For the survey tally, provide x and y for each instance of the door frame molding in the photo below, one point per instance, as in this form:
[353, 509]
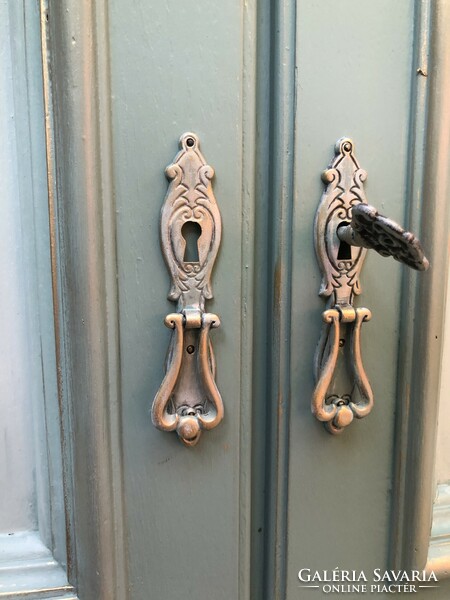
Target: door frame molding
[75, 53]
[82, 222]
[421, 342]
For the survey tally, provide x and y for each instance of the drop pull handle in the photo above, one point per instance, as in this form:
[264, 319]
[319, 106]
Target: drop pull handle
[188, 400]
[345, 227]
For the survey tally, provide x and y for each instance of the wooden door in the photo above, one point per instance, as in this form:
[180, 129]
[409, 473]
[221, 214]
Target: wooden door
[268, 87]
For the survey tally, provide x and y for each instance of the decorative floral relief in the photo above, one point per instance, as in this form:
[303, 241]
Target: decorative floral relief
[388, 238]
[344, 179]
[340, 263]
[190, 199]
[188, 400]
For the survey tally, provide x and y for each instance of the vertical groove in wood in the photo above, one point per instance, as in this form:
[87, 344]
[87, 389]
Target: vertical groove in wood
[248, 309]
[261, 331]
[417, 135]
[66, 447]
[77, 92]
[103, 78]
[281, 161]
[425, 303]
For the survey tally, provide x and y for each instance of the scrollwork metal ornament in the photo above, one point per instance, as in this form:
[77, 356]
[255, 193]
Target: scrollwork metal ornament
[369, 229]
[341, 266]
[188, 400]
[345, 226]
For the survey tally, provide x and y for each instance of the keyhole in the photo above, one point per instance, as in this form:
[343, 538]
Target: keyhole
[191, 231]
[345, 250]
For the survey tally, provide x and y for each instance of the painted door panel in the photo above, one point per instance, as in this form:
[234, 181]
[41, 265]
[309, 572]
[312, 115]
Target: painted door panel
[338, 74]
[268, 87]
[182, 508]
[348, 497]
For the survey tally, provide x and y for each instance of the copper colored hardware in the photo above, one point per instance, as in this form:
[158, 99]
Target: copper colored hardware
[188, 400]
[345, 226]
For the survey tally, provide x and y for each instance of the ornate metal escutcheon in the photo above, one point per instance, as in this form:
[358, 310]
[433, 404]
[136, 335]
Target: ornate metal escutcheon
[188, 400]
[345, 225]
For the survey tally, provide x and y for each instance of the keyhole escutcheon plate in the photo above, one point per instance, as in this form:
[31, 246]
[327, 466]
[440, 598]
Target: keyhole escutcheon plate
[190, 202]
[188, 400]
[335, 402]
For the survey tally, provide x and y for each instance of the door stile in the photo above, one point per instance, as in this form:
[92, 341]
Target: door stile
[83, 242]
[280, 198]
[423, 322]
[250, 401]
[416, 167]
[262, 408]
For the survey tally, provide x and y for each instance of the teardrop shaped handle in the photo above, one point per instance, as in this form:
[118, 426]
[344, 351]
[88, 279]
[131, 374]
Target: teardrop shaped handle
[338, 411]
[345, 226]
[188, 400]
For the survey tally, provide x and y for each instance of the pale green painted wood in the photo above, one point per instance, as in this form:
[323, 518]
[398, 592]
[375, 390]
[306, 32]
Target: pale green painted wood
[29, 379]
[33, 539]
[18, 509]
[324, 70]
[179, 67]
[354, 78]
[339, 502]
[33, 201]
[423, 363]
[81, 205]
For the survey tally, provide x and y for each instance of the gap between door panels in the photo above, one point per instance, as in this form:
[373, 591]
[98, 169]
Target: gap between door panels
[274, 183]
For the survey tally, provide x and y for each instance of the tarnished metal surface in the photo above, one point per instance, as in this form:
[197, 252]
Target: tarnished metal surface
[345, 226]
[369, 229]
[341, 264]
[188, 400]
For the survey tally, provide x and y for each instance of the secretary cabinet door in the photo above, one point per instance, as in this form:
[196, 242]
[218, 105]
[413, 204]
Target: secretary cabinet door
[357, 496]
[177, 68]
[260, 92]
[157, 518]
